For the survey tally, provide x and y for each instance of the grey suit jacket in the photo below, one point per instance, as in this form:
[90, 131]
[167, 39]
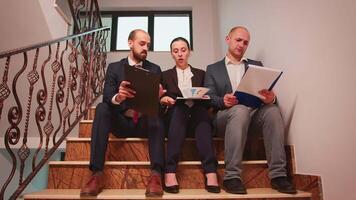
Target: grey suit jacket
[217, 80]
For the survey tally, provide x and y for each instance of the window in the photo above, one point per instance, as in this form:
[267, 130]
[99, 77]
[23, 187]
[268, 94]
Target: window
[163, 27]
[124, 26]
[166, 28]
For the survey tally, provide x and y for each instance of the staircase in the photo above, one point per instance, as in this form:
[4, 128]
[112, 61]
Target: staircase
[127, 169]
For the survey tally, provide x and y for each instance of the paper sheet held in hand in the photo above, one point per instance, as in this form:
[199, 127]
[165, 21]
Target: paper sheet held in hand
[258, 78]
[194, 93]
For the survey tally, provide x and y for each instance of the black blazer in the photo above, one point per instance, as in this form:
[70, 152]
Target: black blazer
[170, 81]
[115, 75]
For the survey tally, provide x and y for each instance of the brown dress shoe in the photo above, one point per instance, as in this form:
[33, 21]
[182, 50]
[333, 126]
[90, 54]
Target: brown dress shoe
[154, 186]
[94, 186]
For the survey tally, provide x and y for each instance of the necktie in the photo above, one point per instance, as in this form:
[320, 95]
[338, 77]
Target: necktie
[135, 117]
[135, 113]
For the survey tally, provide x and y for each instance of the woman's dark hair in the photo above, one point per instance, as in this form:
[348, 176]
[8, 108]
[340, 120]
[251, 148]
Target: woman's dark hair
[180, 39]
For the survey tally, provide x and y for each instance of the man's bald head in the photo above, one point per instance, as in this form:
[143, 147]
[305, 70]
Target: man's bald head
[237, 40]
[133, 33]
[239, 28]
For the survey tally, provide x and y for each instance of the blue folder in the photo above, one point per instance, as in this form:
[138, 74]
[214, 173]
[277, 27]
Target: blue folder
[250, 100]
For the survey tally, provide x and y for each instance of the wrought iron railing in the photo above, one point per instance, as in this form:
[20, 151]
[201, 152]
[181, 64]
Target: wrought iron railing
[46, 89]
[86, 15]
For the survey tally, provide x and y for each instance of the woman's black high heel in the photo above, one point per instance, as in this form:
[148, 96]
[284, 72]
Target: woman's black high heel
[171, 189]
[211, 188]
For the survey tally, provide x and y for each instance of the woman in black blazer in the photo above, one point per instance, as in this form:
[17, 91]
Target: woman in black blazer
[186, 117]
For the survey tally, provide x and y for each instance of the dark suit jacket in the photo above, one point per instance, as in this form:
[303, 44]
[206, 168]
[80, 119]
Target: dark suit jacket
[218, 81]
[115, 75]
[170, 81]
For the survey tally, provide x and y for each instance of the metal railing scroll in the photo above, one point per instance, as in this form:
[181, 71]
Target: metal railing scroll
[45, 90]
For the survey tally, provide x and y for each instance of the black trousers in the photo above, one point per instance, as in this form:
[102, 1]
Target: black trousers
[192, 120]
[109, 120]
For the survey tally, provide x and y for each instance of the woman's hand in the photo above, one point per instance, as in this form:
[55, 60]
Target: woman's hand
[167, 101]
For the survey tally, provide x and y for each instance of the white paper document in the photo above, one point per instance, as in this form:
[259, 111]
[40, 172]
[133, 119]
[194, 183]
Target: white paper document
[258, 78]
[194, 93]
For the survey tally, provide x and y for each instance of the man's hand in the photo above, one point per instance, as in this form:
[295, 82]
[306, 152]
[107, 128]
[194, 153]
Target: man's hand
[124, 92]
[230, 100]
[161, 91]
[167, 101]
[269, 96]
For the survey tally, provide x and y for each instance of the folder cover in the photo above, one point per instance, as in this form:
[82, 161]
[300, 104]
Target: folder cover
[255, 79]
[248, 99]
[146, 85]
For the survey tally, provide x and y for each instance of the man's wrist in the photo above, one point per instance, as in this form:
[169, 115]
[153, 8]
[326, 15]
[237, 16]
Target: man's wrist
[116, 100]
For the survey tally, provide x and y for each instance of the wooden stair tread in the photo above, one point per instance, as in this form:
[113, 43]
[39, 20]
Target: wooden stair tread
[129, 139]
[183, 194]
[52, 163]
[134, 174]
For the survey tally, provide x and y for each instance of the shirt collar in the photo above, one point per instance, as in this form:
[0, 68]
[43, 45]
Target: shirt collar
[186, 69]
[228, 60]
[132, 63]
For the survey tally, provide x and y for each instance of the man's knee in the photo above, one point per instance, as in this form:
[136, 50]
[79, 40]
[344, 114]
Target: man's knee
[272, 112]
[103, 109]
[239, 113]
[155, 122]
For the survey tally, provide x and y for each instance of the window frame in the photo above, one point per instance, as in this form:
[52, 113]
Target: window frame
[150, 14]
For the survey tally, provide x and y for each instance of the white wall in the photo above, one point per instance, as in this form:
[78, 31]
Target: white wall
[204, 28]
[22, 23]
[313, 42]
[25, 23]
[55, 22]
[28, 22]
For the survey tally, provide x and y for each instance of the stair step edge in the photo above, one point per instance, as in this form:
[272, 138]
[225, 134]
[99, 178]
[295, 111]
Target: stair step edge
[249, 162]
[183, 194]
[129, 139]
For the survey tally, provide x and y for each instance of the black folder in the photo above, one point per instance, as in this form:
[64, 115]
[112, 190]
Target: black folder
[146, 85]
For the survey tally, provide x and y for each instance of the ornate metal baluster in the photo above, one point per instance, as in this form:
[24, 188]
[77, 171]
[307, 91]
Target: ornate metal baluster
[97, 71]
[93, 65]
[61, 82]
[48, 128]
[65, 111]
[103, 64]
[24, 151]
[41, 111]
[76, 8]
[73, 86]
[73, 65]
[89, 66]
[13, 133]
[84, 72]
[4, 89]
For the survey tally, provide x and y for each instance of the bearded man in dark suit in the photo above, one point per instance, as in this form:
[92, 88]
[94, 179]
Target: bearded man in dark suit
[115, 116]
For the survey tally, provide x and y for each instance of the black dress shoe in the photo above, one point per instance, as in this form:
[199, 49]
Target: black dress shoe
[234, 186]
[171, 189]
[282, 184]
[211, 188]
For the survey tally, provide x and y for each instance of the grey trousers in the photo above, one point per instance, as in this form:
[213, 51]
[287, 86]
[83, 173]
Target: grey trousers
[234, 124]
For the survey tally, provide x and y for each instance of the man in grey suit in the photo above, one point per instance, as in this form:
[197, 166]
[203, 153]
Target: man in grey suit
[233, 119]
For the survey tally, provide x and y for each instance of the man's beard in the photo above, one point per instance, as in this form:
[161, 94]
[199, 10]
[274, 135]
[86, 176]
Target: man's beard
[139, 56]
